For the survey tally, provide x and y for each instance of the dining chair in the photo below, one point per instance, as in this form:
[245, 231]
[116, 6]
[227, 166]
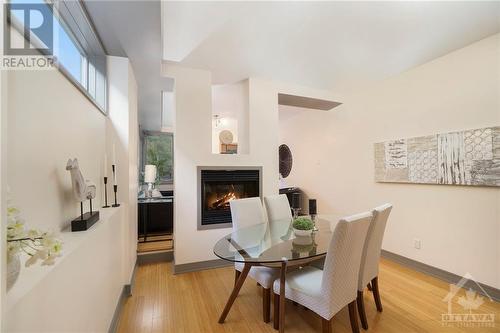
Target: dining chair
[368, 273]
[246, 213]
[278, 207]
[329, 290]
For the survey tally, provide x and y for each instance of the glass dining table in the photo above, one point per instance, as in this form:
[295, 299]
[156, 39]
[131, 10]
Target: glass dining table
[273, 244]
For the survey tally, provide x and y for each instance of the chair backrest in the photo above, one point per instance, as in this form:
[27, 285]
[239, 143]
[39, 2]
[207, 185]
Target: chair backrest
[373, 246]
[278, 207]
[340, 273]
[246, 212]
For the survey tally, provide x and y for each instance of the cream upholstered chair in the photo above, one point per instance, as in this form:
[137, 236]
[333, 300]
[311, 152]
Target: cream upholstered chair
[327, 291]
[278, 207]
[370, 260]
[245, 213]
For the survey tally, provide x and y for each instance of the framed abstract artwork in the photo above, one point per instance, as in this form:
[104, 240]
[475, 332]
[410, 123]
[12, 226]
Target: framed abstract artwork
[470, 157]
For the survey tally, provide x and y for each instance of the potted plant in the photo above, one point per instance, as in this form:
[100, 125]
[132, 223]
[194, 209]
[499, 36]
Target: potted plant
[303, 226]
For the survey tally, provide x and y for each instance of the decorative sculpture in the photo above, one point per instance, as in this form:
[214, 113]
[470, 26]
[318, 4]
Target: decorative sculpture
[83, 189]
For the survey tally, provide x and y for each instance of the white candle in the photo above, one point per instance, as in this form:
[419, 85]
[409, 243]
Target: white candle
[105, 165]
[114, 154]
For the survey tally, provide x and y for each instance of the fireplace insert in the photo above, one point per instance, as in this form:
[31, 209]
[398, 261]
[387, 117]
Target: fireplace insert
[219, 187]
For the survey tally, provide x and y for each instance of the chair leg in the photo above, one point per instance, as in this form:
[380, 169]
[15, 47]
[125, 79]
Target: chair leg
[376, 294]
[361, 310]
[276, 311]
[353, 316]
[326, 325]
[266, 304]
[236, 275]
[369, 286]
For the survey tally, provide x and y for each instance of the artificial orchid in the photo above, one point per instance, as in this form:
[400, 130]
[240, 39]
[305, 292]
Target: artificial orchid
[36, 244]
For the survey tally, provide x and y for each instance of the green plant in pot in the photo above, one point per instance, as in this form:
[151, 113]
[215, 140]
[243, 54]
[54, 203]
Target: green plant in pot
[302, 226]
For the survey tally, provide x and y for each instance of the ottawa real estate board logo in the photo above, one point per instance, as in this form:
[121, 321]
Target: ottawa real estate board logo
[28, 36]
[471, 314]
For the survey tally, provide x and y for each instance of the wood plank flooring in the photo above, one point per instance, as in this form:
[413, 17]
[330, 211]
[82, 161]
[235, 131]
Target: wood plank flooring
[192, 303]
[156, 243]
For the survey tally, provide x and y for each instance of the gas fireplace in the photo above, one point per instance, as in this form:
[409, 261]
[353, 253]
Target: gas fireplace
[218, 188]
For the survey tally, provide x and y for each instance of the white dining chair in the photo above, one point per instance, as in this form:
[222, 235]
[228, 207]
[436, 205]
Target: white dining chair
[368, 273]
[246, 213]
[278, 207]
[329, 290]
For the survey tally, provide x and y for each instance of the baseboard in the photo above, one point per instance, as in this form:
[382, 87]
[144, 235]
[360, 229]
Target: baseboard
[129, 288]
[126, 292]
[481, 288]
[201, 265]
[154, 257]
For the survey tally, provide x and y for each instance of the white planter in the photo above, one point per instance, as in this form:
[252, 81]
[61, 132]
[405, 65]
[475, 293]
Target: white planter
[298, 232]
[13, 269]
[302, 240]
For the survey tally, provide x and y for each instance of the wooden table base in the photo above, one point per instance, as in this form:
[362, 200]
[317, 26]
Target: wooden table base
[239, 283]
[235, 292]
[282, 297]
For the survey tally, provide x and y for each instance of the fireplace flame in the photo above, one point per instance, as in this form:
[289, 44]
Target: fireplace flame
[223, 202]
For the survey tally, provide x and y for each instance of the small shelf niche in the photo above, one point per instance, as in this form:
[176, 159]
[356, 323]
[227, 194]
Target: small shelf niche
[230, 118]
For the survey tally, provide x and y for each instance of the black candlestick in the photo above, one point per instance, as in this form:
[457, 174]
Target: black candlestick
[312, 207]
[313, 212]
[295, 200]
[105, 193]
[115, 189]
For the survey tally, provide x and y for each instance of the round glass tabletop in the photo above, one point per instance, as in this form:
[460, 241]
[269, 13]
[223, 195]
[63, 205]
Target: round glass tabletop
[274, 242]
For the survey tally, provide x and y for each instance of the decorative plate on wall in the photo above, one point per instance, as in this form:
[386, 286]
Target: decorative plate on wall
[285, 157]
[226, 137]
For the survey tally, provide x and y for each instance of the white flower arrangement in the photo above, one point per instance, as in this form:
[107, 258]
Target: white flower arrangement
[36, 244]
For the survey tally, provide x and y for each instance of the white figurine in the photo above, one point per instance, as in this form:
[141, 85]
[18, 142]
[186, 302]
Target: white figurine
[83, 189]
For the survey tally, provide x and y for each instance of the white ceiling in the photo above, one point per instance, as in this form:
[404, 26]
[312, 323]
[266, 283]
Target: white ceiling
[133, 29]
[331, 45]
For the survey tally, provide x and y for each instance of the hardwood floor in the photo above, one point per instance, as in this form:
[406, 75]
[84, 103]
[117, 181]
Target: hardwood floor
[193, 302]
[159, 243]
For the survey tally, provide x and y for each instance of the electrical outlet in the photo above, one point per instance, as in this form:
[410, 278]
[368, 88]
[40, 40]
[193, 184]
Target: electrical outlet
[417, 243]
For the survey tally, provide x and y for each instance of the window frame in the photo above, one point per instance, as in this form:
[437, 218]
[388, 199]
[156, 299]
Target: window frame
[33, 38]
[145, 134]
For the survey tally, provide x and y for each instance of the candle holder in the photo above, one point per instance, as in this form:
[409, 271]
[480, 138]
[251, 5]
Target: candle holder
[296, 204]
[313, 212]
[115, 189]
[313, 218]
[295, 212]
[105, 193]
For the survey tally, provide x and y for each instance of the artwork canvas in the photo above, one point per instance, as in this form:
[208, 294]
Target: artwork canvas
[469, 157]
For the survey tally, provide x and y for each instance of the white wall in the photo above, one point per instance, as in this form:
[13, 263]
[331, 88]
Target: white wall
[167, 111]
[333, 158]
[193, 148]
[123, 132]
[50, 120]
